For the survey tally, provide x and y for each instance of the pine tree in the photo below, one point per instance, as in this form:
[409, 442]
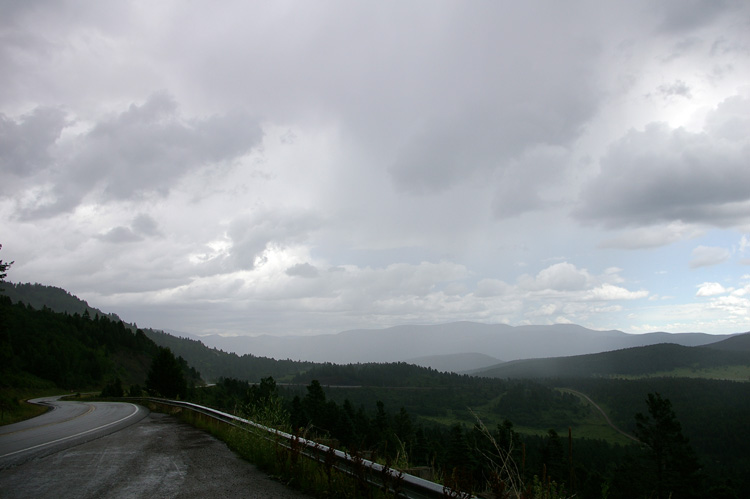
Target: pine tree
[165, 376]
[4, 266]
[674, 466]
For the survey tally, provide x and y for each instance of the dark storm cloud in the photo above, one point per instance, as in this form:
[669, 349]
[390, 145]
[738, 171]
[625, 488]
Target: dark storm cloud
[679, 88]
[684, 15]
[146, 225]
[120, 235]
[142, 227]
[511, 91]
[662, 174]
[141, 151]
[148, 147]
[26, 143]
[530, 182]
[432, 91]
[302, 270]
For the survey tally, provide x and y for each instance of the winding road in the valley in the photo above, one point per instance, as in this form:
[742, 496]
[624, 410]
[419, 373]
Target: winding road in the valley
[112, 449]
[606, 418]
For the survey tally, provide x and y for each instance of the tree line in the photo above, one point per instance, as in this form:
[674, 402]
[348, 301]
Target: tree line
[469, 457]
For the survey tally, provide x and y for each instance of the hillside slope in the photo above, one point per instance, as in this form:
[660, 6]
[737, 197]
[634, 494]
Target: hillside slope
[72, 351]
[638, 361]
[56, 299]
[214, 364]
[53, 336]
[737, 343]
[211, 363]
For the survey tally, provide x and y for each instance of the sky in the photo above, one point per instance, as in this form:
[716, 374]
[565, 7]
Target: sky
[296, 168]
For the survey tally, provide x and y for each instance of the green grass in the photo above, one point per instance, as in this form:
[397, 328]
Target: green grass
[590, 425]
[14, 405]
[595, 426]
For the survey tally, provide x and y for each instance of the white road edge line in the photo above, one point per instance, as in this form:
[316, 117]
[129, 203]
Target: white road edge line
[76, 435]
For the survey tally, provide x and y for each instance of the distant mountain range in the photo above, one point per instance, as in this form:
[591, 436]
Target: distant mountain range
[457, 346]
[453, 345]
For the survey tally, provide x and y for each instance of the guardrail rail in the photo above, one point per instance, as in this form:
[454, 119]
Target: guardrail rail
[397, 482]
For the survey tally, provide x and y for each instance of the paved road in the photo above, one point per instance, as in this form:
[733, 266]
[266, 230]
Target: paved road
[156, 456]
[66, 424]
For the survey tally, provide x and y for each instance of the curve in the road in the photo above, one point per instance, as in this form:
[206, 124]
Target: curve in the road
[67, 424]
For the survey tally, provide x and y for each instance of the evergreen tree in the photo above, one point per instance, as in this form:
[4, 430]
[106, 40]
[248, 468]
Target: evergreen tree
[165, 377]
[459, 461]
[113, 389]
[674, 470]
[297, 415]
[314, 401]
[403, 427]
[4, 266]
[6, 350]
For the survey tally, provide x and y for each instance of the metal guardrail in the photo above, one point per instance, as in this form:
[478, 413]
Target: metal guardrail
[399, 483]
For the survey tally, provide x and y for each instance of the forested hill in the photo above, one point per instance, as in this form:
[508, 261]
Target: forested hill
[214, 364]
[73, 352]
[661, 359]
[56, 299]
[392, 374]
[210, 362]
[738, 343]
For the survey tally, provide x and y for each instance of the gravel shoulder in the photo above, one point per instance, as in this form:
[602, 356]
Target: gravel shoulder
[158, 457]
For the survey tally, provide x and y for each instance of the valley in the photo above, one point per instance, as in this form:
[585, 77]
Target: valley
[398, 408]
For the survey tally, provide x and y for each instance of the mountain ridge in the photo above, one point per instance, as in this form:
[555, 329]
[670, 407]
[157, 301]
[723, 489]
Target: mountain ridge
[405, 342]
[634, 361]
[438, 346]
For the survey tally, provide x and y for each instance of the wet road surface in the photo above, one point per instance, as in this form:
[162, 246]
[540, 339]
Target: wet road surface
[66, 423]
[158, 456]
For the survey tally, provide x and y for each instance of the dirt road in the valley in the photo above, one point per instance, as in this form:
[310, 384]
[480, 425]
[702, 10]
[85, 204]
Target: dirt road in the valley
[606, 418]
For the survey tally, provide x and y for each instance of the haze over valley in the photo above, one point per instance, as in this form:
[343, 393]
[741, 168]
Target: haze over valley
[404, 343]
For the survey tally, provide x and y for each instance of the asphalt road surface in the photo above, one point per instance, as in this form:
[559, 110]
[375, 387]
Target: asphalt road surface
[112, 450]
[66, 424]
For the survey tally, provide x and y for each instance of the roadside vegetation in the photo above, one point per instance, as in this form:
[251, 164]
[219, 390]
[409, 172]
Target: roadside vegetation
[502, 436]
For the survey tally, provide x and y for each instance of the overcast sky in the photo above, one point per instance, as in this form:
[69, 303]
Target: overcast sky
[310, 167]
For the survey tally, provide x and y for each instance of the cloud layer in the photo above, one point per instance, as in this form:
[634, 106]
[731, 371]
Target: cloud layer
[303, 168]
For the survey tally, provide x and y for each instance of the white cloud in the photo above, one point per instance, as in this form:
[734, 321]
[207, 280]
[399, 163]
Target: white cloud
[562, 276]
[711, 289]
[705, 256]
[493, 287]
[611, 292]
[744, 243]
[734, 305]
